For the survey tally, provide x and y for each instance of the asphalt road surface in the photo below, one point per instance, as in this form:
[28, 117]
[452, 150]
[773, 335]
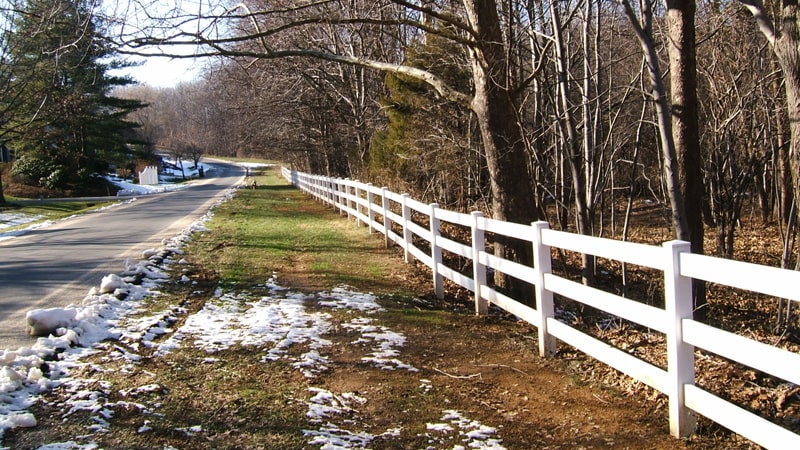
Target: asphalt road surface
[57, 265]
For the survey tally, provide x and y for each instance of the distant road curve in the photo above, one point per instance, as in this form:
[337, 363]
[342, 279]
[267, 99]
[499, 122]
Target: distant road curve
[58, 264]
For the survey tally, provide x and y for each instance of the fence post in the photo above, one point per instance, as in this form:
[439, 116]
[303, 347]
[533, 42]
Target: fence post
[350, 194]
[478, 269]
[542, 264]
[387, 224]
[331, 192]
[340, 195]
[680, 355]
[335, 193]
[348, 202]
[356, 205]
[406, 231]
[436, 252]
[370, 209]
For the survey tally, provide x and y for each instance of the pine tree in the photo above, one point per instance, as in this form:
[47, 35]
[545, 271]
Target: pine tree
[67, 125]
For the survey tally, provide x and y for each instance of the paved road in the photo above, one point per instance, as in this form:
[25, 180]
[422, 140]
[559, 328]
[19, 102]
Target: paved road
[57, 265]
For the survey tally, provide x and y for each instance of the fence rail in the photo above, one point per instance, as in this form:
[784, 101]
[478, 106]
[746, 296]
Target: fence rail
[366, 203]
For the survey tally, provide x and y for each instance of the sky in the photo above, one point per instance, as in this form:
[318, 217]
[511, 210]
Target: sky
[272, 324]
[158, 71]
[165, 72]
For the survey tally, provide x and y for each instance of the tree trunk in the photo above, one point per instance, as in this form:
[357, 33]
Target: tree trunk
[784, 173]
[785, 45]
[2, 196]
[644, 33]
[506, 158]
[683, 81]
[568, 132]
[788, 54]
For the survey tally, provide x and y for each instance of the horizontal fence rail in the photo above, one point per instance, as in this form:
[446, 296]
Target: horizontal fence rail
[404, 221]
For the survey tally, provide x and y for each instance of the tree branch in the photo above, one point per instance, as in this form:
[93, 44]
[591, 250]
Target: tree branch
[765, 25]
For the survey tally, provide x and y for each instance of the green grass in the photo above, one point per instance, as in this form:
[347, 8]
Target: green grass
[241, 400]
[275, 228]
[48, 211]
[475, 365]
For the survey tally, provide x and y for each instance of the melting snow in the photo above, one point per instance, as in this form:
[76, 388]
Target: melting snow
[273, 324]
[474, 434]
[8, 220]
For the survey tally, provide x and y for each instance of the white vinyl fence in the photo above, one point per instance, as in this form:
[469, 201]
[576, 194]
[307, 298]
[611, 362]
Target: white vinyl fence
[149, 175]
[365, 203]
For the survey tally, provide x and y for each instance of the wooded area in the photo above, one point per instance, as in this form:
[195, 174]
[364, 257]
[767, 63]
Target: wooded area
[58, 116]
[570, 111]
[618, 119]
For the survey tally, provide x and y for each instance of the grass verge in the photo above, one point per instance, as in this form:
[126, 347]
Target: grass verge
[476, 381]
[276, 229]
[40, 212]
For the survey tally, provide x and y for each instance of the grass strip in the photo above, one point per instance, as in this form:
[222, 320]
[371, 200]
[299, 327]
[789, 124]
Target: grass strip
[468, 371]
[276, 229]
[48, 210]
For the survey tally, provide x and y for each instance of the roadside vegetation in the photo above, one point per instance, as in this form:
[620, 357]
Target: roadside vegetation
[479, 372]
[41, 212]
[273, 230]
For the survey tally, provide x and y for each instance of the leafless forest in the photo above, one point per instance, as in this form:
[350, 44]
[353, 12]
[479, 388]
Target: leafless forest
[580, 112]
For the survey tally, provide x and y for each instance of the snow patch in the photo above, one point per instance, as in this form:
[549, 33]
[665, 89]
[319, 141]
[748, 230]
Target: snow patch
[472, 433]
[74, 332]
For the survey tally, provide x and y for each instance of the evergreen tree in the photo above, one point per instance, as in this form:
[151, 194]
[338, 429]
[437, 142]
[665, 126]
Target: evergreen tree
[66, 123]
[426, 148]
[7, 65]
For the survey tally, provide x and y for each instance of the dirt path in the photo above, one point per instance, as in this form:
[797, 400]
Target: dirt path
[454, 380]
[488, 369]
[457, 381]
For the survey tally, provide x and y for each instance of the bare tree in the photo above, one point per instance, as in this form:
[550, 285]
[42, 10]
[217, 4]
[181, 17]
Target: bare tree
[179, 153]
[643, 28]
[577, 160]
[478, 28]
[195, 152]
[740, 122]
[785, 43]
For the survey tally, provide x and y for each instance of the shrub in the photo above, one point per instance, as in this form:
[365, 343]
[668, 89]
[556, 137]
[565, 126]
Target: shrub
[32, 169]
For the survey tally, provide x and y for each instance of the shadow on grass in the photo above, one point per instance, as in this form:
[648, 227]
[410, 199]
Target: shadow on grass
[277, 187]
